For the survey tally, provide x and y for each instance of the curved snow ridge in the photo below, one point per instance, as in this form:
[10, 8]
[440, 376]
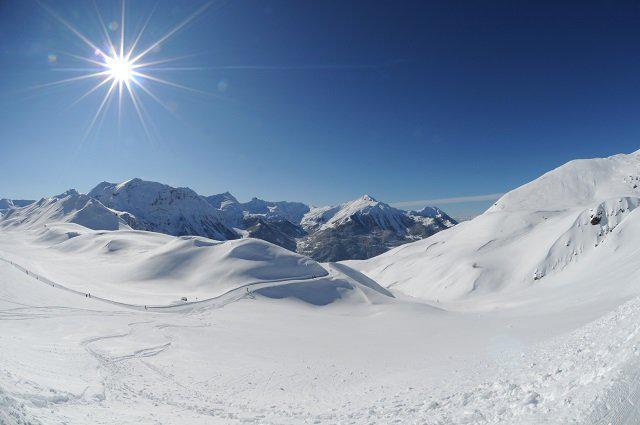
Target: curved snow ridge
[577, 183]
[337, 283]
[344, 284]
[587, 232]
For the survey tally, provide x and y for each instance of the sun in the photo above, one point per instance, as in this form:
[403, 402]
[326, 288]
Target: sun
[119, 68]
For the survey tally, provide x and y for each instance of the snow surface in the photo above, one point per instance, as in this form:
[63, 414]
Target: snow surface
[528, 314]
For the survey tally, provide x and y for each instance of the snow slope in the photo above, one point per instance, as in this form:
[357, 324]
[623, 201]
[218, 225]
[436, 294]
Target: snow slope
[268, 358]
[152, 268]
[552, 229]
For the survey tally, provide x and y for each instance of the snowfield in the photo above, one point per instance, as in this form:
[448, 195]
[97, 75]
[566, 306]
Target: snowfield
[527, 314]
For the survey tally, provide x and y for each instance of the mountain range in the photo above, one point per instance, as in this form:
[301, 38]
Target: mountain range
[359, 229]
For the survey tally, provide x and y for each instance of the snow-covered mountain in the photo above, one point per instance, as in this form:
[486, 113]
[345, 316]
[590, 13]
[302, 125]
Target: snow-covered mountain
[354, 230]
[358, 229]
[364, 228]
[291, 211]
[14, 203]
[165, 209]
[235, 212]
[275, 222]
[68, 207]
[558, 227]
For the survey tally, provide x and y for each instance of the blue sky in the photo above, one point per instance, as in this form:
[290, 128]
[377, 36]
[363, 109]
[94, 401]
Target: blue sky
[324, 101]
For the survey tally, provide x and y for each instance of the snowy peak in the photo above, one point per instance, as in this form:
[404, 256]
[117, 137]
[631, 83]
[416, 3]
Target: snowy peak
[163, 208]
[222, 200]
[381, 214]
[291, 211]
[577, 183]
[68, 207]
[363, 228]
[71, 194]
[430, 214]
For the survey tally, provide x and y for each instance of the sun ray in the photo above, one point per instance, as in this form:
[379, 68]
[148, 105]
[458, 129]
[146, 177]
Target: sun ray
[144, 27]
[138, 110]
[88, 93]
[70, 27]
[120, 83]
[122, 31]
[170, 83]
[153, 96]
[161, 61]
[100, 108]
[172, 32]
[82, 58]
[71, 80]
[103, 26]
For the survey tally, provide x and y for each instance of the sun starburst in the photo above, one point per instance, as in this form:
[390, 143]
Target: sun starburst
[119, 66]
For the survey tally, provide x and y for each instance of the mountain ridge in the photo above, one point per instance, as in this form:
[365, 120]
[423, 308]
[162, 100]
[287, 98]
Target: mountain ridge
[361, 228]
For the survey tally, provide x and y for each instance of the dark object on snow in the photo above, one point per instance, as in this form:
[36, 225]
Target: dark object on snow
[595, 219]
[184, 299]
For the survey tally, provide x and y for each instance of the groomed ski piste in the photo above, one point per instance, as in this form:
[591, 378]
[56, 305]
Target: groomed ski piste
[527, 314]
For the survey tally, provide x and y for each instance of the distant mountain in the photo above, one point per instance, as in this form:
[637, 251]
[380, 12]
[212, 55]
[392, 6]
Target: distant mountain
[234, 212]
[275, 222]
[291, 211]
[68, 207]
[358, 229]
[165, 209]
[433, 215]
[364, 228]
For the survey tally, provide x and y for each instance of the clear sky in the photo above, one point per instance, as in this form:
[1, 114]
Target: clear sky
[323, 101]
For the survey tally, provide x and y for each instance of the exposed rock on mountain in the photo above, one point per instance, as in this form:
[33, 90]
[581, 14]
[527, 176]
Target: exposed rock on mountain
[364, 228]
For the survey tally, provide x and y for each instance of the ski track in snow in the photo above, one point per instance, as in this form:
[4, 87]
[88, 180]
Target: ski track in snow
[217, 301]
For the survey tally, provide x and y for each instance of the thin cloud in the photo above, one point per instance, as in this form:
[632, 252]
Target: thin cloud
[457, 200]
